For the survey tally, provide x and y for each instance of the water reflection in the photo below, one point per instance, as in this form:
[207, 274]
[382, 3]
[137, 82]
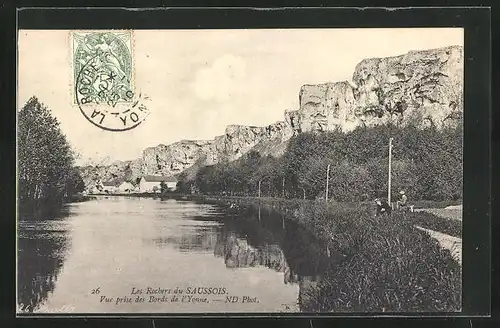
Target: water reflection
[258, 237]
[194, 239]
[234, 238]
[42, 248]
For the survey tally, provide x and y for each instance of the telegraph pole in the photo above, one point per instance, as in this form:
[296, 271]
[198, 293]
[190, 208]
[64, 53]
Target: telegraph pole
[327, 177]
[389, 182]
[283, 194]
[260, 181]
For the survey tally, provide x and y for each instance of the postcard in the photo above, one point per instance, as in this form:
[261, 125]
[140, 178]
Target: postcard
[240, 171]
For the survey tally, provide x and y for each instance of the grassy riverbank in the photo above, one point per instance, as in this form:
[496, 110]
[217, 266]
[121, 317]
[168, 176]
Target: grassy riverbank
[381, 264]
[297, 208]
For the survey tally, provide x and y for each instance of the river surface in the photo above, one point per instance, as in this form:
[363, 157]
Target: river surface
[114, 248]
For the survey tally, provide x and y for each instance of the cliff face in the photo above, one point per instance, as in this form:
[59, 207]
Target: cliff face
[119, 170]
[418, 88]
[327, 106]
[237, 140]
[173, 158]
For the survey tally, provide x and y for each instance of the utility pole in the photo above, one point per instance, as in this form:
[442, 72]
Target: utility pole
[283, 188]
[389, 182]
[264, 178]
[327, 177]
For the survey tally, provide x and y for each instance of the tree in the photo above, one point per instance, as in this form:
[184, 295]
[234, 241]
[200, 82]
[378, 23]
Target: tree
[312, 177]
[74, 183]
[45, 159]
[163, 187]
[184, 184]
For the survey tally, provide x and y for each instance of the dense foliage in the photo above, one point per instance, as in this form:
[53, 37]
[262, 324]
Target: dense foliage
[426, 163]
[47, 177]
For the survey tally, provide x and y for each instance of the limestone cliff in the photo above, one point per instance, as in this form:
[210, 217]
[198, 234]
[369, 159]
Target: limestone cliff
[419, 88]
[326, 106]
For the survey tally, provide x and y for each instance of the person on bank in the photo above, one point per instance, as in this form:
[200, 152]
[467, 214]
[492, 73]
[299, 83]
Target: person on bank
[403, 201]
[382, 207]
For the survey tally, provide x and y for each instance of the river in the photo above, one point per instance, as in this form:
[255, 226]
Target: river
[112, 249]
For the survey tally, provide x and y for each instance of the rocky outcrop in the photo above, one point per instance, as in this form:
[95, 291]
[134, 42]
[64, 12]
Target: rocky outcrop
[327, 106]
[177, 157]
[237, 140]
[117, 171]
[174, 158]
[419, 88]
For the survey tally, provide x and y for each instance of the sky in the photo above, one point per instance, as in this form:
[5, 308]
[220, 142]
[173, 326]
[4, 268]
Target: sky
[200, 81]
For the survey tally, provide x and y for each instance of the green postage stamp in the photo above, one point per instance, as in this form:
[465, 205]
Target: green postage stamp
[103, 71]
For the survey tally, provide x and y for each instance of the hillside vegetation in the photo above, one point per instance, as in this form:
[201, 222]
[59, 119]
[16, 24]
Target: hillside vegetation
[426, 163]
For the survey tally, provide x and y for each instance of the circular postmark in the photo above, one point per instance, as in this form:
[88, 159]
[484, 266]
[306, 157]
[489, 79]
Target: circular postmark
[103, 83]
